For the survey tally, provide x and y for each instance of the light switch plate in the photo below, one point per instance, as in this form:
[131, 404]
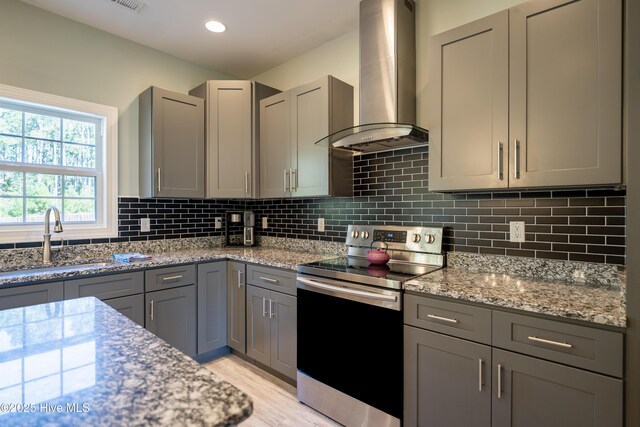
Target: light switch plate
[145, 225]
[516, 231]
[217, 222]
[321, 225]
[265, 222]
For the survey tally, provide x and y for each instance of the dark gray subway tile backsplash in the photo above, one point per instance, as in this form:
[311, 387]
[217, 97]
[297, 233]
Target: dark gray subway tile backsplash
[391, 188]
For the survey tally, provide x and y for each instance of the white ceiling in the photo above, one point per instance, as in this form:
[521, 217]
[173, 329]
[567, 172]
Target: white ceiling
[261, 34]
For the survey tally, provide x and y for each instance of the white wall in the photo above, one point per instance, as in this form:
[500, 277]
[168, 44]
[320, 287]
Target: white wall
[340, 57]
[48, 53]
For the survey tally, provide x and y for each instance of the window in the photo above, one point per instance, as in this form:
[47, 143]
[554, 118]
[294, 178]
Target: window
[56, 152]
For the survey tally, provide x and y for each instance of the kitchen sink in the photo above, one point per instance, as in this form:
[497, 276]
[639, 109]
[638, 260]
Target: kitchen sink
[54, 269]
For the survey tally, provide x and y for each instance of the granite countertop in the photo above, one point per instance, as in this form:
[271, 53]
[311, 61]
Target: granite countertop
[63, 365]
[280, 258]
[596, 304]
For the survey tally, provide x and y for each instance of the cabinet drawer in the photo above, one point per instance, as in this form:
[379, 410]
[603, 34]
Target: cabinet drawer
[458, 320]
[170, 277]
[589, 348]
[271, 278]
[105, 287]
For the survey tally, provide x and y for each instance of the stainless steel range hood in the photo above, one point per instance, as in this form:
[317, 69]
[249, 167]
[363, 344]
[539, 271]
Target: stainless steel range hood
[387, 81]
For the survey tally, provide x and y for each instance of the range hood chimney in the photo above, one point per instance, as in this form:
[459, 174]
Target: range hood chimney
[387, 81]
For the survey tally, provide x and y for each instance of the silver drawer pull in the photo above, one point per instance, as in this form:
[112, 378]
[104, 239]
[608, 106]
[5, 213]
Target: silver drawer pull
[556, 343]
[499, 381]
[151, 310]
[444, 319]
[480, 382]
[165, 279]
[266, 279]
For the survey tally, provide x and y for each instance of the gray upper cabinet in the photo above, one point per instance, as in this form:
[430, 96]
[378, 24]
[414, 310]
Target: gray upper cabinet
[469, 106]
[442, 375]
[291, 123]
[212, 306]
[566, 93]
[236, 306]
[535, 393]
[529, 97]
[171, 143]
[232, 136]
[171, 315]
[22, 296]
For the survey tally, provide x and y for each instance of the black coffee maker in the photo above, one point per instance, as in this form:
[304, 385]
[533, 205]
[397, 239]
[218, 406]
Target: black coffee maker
[239, 226]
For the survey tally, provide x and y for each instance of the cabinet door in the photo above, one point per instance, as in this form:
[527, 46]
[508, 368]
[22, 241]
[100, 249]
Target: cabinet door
[229, 138]
[275, 151]
[22, 296]
[283, 314]
[447, 381]
[309, 124]
[171, 315]
[258, 325]
[236, 306]
[469, 106]
[131, 306]
[212, 306]
[535, 393]
[565, 93]
[178, 144]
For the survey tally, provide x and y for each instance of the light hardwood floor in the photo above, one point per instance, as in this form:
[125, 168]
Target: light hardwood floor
[274, 401]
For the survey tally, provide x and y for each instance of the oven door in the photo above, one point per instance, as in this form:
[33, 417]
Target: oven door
[350, 339]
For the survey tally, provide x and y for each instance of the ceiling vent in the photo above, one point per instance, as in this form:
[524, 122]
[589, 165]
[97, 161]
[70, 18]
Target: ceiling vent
[131, 5]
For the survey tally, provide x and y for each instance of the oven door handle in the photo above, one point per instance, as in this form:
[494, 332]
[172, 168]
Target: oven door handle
[340, 290]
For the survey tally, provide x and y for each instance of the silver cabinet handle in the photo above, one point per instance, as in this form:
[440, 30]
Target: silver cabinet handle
[151, 309]
[480, 383]
[556, 343]
[266, 279]
[166, 279]
[246, 183]
[444, 319]
[158, 180]
[516, 160]
[499, 381]
[272, 309]
[264, 307]
[294, 186]
[291, 172]
[500, 160]
[286, 180]
[240, 283]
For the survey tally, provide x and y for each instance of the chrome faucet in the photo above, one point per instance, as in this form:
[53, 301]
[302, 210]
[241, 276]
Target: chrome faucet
[57, 228]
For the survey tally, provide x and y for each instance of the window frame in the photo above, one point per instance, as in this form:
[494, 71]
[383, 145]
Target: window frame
[106, 224]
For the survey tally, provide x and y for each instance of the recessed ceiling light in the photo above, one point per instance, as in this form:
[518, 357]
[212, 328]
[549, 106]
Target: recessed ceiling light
[215, 26]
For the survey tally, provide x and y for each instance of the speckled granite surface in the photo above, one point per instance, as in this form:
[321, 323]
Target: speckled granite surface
[573, 300]
[67, 353]
[280, 258]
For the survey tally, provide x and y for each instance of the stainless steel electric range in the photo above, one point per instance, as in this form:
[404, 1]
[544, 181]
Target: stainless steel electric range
[350, 324]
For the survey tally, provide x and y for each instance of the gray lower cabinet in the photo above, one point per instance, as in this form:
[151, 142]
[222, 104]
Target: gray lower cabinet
[236, 306]
[212, 306]
[535, 393]
[447, 381]
[271, 329]
[131, 306]
[171, 315]
[21, 296]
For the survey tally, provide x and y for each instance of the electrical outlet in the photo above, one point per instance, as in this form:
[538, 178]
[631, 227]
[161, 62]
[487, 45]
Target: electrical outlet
[321, 225]
[145, 225]
[217, 222]
[516, 231]
[265, 222]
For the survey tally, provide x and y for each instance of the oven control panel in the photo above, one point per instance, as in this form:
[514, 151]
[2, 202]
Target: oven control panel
[414, 239]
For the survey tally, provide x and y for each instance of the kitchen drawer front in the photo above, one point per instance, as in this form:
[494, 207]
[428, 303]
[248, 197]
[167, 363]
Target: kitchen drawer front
[580, 346]
[170, 277]
[271, 278]
[105, 287]
[458, 320]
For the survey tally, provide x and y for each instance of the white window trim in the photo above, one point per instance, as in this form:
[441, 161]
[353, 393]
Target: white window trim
[109, 226]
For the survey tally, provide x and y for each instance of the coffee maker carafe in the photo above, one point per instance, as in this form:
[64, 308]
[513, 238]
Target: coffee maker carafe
[249, 224]
[239, 227]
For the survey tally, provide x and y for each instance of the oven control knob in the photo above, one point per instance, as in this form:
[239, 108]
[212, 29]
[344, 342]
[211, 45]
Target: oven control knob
[365, 234]
[430, 238]
[415, 238]
[355, 234]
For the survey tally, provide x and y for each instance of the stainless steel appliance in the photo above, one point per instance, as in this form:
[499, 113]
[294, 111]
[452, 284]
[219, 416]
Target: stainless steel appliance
[350, 324]
[239, 227]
